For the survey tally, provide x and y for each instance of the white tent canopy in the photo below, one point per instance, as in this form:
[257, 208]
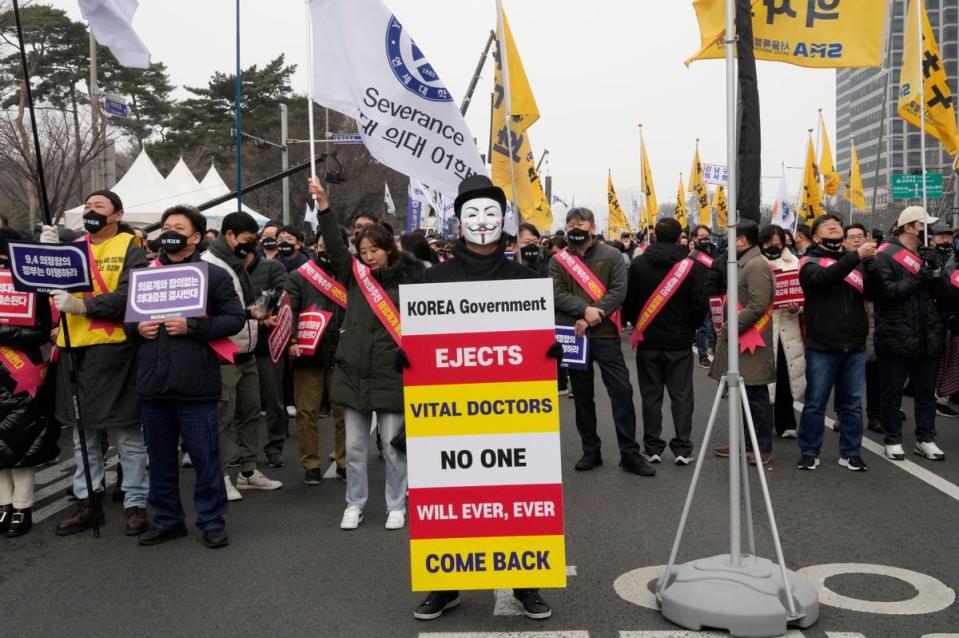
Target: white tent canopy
[146, 194]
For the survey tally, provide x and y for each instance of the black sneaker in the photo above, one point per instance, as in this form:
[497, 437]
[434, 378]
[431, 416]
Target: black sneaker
[636, 465]
[588, 462]
[807, 462]
[313, 476]
[215, 538]
[435, 604]
[854, 463]
[274, 459]
[157, 535]
[341, 473]
[946, 410]
[533, 604]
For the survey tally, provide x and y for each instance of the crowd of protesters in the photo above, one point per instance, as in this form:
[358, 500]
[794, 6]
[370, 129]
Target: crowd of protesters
[879, 319]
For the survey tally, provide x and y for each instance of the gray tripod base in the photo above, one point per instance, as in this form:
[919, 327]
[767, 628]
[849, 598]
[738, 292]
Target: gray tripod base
[740, 592]
[748, 599]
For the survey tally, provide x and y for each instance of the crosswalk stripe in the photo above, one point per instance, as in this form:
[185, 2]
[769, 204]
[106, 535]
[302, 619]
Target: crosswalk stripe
[504, 604]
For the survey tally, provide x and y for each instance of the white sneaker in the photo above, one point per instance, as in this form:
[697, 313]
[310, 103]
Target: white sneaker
[231, 492]
[352, 518]
[396, 519]
[895, 452]
[788, 434]
[291, 411]
[931, 451]
[685, 460]
[257, 482]
[186, 461]
[652, 458]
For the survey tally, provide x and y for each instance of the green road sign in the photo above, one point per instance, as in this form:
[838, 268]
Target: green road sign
[909, 186]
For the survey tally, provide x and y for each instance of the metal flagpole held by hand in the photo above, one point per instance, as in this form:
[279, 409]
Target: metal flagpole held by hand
[309, 81]
[920, 9]
[745, 594]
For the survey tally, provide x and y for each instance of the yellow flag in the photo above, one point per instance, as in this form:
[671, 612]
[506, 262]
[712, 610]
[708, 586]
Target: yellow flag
[811, 33]
[720, 206]
[680, 214]
[512, 153]
[522, 103]
[811, 201]
[853, 191]
[698, 187]
[650, 205]
[617, 222]
[940, 112]
[827, 168]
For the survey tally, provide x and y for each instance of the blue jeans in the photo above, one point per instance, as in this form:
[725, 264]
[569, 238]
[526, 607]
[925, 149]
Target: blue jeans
[846, 371]
[132, 457]
[705, 338]
[164, 424]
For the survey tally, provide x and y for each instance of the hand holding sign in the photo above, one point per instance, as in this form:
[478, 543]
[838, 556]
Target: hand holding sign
[149, 329]
[175, 327]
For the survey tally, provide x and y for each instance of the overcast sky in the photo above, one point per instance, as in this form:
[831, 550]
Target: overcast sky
[597, 70]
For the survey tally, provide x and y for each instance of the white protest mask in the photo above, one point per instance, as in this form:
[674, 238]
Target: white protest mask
[481, 220]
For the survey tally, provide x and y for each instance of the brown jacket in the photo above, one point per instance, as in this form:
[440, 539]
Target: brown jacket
[756, 291]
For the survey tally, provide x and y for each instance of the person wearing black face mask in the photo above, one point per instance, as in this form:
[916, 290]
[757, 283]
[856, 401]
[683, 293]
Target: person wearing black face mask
[313, 373]
[268, 240]
[837, 326]
[787, 338]
[178, 384]
[239, 407]
[289, 239]
[530, 255]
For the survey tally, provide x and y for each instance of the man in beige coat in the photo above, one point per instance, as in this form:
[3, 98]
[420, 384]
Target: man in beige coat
[757, 362]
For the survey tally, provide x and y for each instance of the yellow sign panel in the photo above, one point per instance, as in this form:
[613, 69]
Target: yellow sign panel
[488, 562]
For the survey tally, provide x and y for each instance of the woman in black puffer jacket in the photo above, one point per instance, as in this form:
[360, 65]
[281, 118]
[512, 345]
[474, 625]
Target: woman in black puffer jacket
[28, 432]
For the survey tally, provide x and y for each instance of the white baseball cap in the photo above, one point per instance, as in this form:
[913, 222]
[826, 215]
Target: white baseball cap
[915, 214]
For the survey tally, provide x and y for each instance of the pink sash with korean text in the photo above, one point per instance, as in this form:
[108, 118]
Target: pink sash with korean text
[583, 276]
[380, 303]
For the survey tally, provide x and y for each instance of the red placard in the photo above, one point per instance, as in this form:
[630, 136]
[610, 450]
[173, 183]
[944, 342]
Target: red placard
[280, 335]
[716, 311]
[16, 308]
[788, 290]
[310, 328]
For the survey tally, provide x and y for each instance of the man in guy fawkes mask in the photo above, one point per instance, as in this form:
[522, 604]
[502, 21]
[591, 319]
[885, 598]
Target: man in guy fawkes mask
[479, 256]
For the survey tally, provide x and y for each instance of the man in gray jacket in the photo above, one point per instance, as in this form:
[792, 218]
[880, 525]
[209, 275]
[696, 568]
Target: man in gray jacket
[757, 361]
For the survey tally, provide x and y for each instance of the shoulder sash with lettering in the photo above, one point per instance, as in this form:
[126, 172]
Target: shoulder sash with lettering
[854, 278]
[324, 283]
[954, 279]
[27, 375]
[664, 292]
[701, 257]
[753, 337]
[903, 257]
[589, 282]
[380, 303]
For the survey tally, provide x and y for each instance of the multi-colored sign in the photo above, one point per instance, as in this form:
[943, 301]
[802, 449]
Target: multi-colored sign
[165, 292]
[482, 436]
[788, 290]
[16, 308]
[48, 267]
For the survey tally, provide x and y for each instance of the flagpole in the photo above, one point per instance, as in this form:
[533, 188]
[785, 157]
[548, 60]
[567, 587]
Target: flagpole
[504, 60]
[642, 183]
[852, 147]
[309, 91]
[239, 117]
[802, 186]
[922, 117]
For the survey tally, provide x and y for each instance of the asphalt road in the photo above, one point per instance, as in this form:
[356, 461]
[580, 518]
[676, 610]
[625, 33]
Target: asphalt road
[290, 570]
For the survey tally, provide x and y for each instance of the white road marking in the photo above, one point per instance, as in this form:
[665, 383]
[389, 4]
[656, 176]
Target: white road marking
[633, 586]
[830, 423]
[110, 479]
[844, 634]
[330, 471]
[673, 633]
[506, 634]
[54, 471]
[932, 595]
[504, 604]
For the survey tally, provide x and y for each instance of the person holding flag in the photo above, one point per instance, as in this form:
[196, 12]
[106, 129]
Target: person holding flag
[367, 379]
[667, 300]
[105, 363]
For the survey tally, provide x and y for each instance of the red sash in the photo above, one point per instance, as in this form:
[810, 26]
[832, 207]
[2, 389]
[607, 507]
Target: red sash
[330, 287]
[702, 258]
[954, 279]
[378, 300]
[27, 375]
[99, 288]
[753, 337]
[903, 257]
[854, 278]
[664, 292]
[587, 280]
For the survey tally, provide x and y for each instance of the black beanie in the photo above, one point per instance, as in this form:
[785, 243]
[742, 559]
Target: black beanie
[113, 197]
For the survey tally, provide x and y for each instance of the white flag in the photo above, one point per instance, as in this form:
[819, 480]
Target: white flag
[419, 194]
[407, 118]
[309, 217]
[784, 215]
[388, 200]
[112, 24]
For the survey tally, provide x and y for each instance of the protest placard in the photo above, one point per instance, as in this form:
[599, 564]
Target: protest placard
[167, 292]
[788, 290]
[281, 333]
[575, 349]
[16, 308]
[48, 267]
[310, 327]
[482, 432]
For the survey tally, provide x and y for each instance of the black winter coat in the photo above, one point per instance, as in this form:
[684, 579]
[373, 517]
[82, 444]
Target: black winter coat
[674, 326]
[834, 311]
[908, 320]
[185, 369]
[303, 294]
[366, 378]
[267, 274]
[468, 266]
[28, 431]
